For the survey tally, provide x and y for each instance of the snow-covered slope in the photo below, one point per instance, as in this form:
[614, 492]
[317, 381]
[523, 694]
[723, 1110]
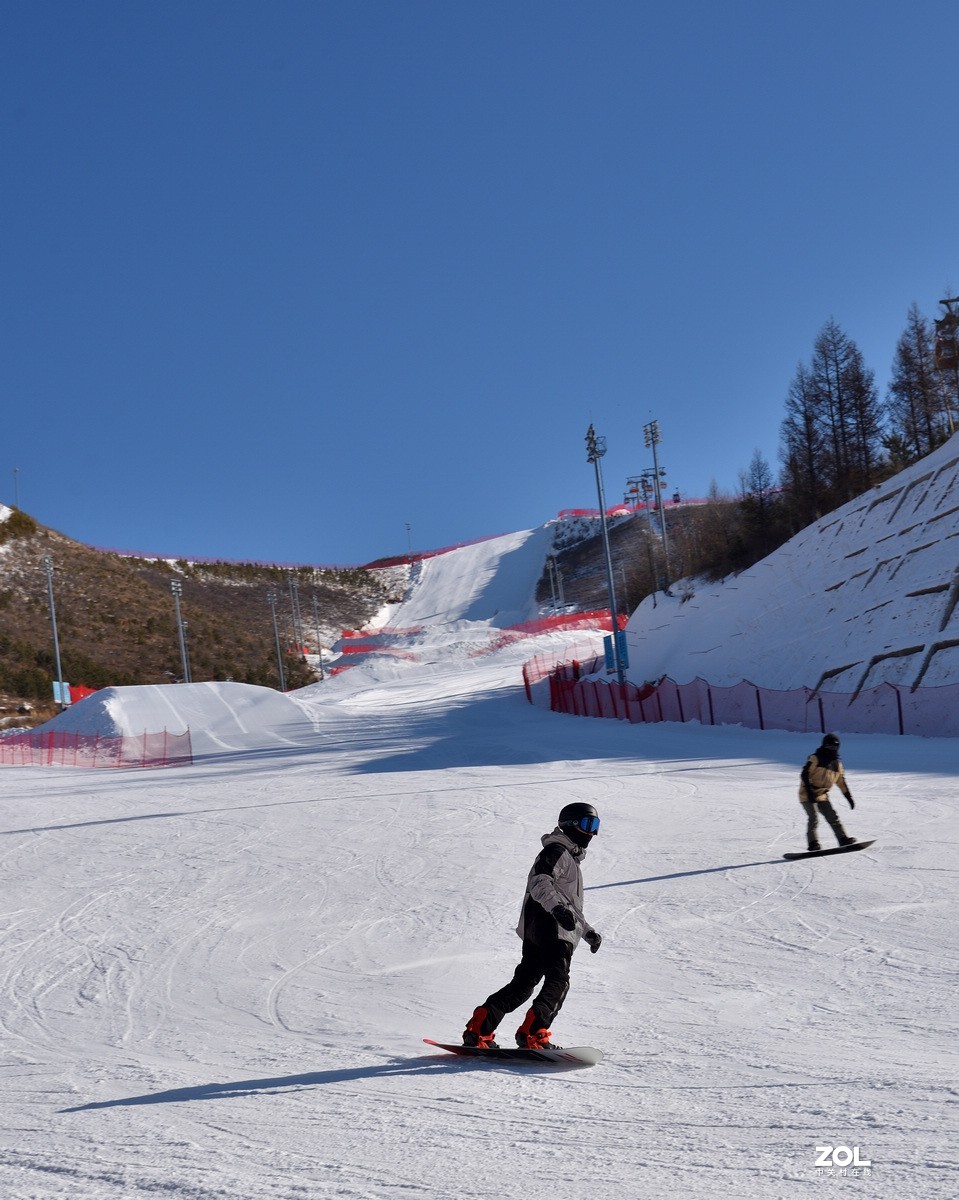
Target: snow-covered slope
[492, 582]
[214, 980]
[220, 716]
[865, 596]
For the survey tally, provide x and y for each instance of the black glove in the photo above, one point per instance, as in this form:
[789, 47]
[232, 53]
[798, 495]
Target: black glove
[564, 917]
[852, 803]
[593, 939]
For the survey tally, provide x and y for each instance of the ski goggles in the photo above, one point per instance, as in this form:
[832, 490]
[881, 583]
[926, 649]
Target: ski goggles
[587, 824]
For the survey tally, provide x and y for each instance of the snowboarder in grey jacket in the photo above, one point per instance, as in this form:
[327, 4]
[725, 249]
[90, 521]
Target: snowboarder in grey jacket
[551, 924]
[822, 771]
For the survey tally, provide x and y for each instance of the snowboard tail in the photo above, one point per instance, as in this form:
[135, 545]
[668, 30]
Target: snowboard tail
[571, 1056]
[831, 850]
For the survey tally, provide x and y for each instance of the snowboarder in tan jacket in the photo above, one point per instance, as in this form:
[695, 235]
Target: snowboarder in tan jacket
[551, 925]
[823, 771]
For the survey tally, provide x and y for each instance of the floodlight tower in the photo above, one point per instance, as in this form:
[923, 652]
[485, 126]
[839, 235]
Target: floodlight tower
[176, 587]
[595, 449]
[316, 622]
[653, 439]
[555, 583]
[48, 568]
[295, 608]
[271, 597]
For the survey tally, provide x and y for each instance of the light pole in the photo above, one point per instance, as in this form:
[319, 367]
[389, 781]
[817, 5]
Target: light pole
[16, 486]
[271, 597]
[48, 567]
[595, 449]
[297, 619]
[316, 622]
[555, 583]
[176, 587]
[653, 439]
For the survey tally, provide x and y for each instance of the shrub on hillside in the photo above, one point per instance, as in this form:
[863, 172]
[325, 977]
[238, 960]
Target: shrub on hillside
[17, 525]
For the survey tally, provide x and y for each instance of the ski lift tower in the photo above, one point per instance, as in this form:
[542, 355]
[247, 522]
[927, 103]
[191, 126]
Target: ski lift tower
[653, 439]
[947, 353]
[595, 449]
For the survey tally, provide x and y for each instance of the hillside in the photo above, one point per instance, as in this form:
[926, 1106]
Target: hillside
[865, 596]
[116, 617]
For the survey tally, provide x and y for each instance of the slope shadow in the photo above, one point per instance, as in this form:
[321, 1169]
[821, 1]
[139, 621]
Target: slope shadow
[482, 732]
[498, 594]
[577, 776]
[426, 1065]
[768, 862]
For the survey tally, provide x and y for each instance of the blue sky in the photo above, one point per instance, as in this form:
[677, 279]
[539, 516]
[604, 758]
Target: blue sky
[282, 278]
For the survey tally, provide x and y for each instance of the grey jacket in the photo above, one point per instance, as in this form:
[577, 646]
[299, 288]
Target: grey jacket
[555, 878]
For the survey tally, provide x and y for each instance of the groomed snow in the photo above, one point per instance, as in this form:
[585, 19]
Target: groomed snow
[216, 979]
[221, 717]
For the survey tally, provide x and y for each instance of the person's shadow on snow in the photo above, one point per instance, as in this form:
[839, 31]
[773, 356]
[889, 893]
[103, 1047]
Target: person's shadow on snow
[768, 862]
[432, 1064]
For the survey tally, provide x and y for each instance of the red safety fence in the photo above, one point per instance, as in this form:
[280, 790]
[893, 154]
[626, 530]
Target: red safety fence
[387, 631]
[149, 556]
[580, 659]
[53, 748]
[888, 708]
[371, 648]
[376, 564]
[619, 510]
[377, 642]
[418, 555]
[598, 619]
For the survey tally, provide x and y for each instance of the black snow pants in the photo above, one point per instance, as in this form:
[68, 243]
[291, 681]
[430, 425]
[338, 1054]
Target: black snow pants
[549, 964]
[813, 809]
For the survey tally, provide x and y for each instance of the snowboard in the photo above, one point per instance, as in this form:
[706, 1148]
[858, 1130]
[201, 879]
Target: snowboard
[831, 850]
[571, 1056]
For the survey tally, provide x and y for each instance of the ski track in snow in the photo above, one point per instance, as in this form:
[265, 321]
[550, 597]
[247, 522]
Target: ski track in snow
[216, 979]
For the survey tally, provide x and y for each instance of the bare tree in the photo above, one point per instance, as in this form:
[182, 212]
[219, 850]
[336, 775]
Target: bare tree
[831, 436]
[801, 450]
[915, 401]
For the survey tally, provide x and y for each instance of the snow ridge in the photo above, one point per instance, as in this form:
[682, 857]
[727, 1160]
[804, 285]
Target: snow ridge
[866, 596]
